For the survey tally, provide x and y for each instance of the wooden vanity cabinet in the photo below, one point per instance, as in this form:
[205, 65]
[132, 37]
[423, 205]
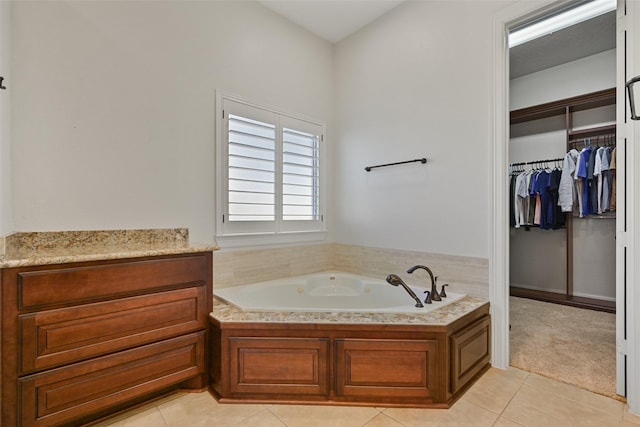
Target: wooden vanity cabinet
[82, 340]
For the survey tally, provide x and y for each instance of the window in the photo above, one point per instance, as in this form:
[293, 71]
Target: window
[269, 179]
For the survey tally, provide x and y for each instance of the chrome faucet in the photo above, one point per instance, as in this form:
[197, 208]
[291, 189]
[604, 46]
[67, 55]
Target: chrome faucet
[394, 280]
[434, 290]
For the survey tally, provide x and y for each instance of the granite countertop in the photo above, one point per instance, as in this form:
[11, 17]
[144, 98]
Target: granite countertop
[44, 248]
[443, 316]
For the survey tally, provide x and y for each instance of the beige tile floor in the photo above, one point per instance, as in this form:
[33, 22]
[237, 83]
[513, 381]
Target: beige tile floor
[500, 398]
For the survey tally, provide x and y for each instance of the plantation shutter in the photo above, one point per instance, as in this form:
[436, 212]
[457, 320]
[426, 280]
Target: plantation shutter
[272, 172]
[252, 169]
[300, 176]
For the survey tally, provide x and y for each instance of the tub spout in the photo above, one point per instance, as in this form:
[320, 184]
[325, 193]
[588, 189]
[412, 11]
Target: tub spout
[394, 280]
[434, 291]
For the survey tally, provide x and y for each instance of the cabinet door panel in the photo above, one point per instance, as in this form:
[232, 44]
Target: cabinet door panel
[61, 395]
[386, 368]
[470, 352]
[76, 285]
[279, 365]
[56, 337]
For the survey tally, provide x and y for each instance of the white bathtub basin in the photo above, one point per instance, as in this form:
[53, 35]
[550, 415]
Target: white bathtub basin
[329, 291]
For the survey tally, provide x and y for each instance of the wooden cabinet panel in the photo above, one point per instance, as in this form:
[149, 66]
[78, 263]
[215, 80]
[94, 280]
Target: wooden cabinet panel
[75, 285]
[60, 395]
[348, 364]
[470, 352]
[62, 336]
[81, 340]
[276, 365]
[389, 368]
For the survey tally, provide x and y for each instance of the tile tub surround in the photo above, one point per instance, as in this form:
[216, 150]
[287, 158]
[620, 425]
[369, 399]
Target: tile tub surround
[43, 248]
[241, 267]
[467, 275]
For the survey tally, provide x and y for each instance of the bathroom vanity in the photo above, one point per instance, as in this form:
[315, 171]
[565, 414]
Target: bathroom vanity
[89, 331]
[383, 359]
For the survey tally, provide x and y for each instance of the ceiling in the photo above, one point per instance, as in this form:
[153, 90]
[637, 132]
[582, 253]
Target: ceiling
[585, 39]
[333, 20]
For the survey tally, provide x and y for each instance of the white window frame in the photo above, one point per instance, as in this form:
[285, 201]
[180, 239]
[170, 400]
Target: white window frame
[238, 234]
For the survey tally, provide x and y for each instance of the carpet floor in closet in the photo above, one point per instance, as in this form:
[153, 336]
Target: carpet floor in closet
[568, 344]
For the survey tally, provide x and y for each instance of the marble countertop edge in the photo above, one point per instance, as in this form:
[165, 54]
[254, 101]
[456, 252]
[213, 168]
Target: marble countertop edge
[66, 255]
[446, 315]
[25, 249]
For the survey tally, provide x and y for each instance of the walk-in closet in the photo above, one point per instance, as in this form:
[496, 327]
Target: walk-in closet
[562, 185]
[563, 198]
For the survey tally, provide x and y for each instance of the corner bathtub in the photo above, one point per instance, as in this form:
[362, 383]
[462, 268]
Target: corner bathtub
[364, 343]
[329, 292]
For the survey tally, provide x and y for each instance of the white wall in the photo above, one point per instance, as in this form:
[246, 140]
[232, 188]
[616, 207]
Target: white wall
[578, 77]
[6, 223]
[114, 105]
[416, 83]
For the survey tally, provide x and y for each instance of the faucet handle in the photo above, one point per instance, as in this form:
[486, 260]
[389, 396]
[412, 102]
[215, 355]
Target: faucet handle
[443, 294]
[427, 300]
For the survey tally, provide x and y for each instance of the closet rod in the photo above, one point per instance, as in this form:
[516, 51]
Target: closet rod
[537, 161]
[607, 139]
[422, 160]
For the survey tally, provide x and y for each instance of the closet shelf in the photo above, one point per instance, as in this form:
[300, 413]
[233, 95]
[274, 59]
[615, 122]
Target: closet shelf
[557, 108]
[595, 131]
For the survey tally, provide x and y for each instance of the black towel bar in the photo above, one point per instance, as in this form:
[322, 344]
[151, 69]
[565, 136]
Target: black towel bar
[422, 160]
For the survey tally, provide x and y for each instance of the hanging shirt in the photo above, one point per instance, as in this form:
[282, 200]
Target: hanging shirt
[597, 174]
[612, 168]
[592, 196]
[581, 175]
[520, 194]
[545, 202]
[534, 193]
[557, 216]
[566, 188]
[607, 175]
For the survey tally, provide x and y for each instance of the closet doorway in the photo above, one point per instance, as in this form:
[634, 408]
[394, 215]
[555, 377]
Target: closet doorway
[562, 268]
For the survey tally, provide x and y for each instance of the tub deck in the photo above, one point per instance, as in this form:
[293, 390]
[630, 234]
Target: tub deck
[366, 359]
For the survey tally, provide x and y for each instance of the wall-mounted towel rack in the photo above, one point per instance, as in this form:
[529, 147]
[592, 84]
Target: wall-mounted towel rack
[422, 160]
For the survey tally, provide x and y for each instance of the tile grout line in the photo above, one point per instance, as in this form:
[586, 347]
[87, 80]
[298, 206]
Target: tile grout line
[511, 399]
[166, 423]
[580, 390]
[268, 408]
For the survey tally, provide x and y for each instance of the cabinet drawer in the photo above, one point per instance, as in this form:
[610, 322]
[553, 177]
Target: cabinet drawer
[470, 352]
[279, 365]
[362, 368]
[61, 336]
[76, 285]
[64, 394]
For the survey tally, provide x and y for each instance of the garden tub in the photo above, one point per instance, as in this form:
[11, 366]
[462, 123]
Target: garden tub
[329, 291]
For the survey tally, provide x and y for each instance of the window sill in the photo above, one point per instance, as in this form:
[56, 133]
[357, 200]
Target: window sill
[263, 239]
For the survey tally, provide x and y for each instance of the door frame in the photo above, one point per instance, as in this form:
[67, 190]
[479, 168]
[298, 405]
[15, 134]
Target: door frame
[627, 299]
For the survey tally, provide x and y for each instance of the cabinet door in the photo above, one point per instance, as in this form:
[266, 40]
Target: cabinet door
[291, 366]
[470, 352]
[68, 335]
[386, 368]
[62, 395]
